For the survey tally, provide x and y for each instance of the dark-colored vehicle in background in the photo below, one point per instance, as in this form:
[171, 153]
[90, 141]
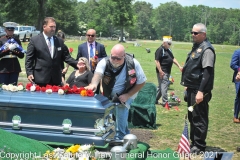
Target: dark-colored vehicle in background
[2, 32]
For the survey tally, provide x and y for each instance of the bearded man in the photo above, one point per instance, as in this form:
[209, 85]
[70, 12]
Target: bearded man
[122, 77]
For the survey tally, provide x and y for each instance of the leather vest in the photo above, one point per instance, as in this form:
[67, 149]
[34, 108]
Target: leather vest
[109, 80]
[192, 71]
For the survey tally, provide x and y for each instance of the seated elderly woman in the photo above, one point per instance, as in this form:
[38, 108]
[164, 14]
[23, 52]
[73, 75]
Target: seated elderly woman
[81, 77]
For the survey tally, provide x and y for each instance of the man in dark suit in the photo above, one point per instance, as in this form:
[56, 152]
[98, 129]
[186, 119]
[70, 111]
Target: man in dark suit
[45, 54]
[91, 50]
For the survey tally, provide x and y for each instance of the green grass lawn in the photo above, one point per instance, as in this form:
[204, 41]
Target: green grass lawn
[222, 134]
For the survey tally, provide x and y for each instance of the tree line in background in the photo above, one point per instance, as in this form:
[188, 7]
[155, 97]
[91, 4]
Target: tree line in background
[126, 18]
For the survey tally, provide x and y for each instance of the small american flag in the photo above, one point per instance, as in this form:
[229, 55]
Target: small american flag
[184, 146]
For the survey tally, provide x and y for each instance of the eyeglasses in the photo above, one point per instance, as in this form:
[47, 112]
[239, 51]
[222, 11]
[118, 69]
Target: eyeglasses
[195, 33]
[169, 44]
[116, 58]
[89, 35]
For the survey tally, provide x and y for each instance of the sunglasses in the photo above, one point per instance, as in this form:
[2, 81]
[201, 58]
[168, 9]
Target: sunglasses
[116, 58]
[169, 44]
[89, 35]
[195, 33]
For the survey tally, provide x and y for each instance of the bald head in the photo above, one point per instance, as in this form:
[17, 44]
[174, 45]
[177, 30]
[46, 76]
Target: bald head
[118, 50]
[91, 35]
[117, 55]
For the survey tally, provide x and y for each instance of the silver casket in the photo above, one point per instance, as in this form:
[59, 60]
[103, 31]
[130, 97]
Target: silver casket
[69, 118]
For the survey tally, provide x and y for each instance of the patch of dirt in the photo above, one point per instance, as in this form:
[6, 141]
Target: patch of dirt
[143, 135]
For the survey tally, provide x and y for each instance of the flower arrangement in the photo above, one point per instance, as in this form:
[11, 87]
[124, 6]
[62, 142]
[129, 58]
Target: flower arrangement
[12, 88]
[94, 61]
[173, 98]
[49, 89]
[79, 152]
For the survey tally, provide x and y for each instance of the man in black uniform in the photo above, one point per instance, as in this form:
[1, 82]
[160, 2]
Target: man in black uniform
[198, 77]
[10, 51]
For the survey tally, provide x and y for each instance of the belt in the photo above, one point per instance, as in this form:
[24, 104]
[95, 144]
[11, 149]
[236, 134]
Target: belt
[10, 56]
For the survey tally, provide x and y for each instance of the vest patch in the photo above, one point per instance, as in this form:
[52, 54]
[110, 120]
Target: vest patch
[131, 72]
[106, 79]
[199, 50]
[193, 54]
[133, 80]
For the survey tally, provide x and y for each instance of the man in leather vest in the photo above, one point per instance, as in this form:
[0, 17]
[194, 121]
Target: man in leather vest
[198, 77]
[122, 77]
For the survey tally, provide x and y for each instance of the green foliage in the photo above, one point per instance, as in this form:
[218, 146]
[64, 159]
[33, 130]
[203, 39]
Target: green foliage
[137, 18]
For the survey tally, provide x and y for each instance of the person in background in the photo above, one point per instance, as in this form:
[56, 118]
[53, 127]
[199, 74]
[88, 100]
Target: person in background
[92, 50]
[235, 65]
[11, 49]
[61, 34]
[164, 59]
[198, 77]
[122, 77]
[81, 77]
[45, 55]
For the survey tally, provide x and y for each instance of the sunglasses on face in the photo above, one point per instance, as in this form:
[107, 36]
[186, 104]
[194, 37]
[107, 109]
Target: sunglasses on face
[116, 58]
[89, 35]
[169, 44]
[195, 33]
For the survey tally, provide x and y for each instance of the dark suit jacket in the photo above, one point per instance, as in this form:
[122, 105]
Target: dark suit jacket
[83, 51]
[40, 64]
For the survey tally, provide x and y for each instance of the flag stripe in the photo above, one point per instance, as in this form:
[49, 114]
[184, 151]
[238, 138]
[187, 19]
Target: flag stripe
[184, 145]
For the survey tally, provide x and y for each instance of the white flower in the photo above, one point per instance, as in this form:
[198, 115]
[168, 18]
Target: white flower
[49, 91]
[14, 89]
[20, 87]
[4, 86]
[32, 88]
[84, 147]
[190, 108]
[9, 87]
[60, 91]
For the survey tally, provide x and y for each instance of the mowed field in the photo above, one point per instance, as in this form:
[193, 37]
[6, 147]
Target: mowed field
[223, 134]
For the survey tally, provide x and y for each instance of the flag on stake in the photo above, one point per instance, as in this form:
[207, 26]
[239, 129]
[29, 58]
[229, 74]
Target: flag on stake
[176, 108]
[167, 106]
[184, 145]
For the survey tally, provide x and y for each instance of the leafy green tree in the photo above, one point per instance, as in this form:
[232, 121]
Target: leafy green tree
[122, 15]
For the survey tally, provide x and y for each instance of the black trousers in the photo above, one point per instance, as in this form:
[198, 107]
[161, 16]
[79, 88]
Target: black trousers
[198, 118]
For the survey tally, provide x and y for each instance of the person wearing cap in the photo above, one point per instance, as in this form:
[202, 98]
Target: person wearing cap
[164, 59]
[198, 77]
[10, 51]
[45, 55]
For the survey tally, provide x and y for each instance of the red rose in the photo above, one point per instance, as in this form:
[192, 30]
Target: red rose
[20, 83]
[28, 85]
[95, 57]
[43, 89]
[172, 93]
[38, 88]
[70, 50]
[90, 93]
[55, 88]
[48, 86]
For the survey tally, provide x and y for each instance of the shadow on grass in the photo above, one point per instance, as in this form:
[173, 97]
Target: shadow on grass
[214, 149]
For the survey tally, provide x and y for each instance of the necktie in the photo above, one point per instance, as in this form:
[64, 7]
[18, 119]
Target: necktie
[49, 46]
[91, 50]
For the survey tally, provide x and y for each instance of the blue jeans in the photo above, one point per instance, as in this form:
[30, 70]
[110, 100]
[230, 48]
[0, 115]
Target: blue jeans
[121, 126]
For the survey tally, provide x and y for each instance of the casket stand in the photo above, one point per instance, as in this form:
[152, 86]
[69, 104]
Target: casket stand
[69, 118]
